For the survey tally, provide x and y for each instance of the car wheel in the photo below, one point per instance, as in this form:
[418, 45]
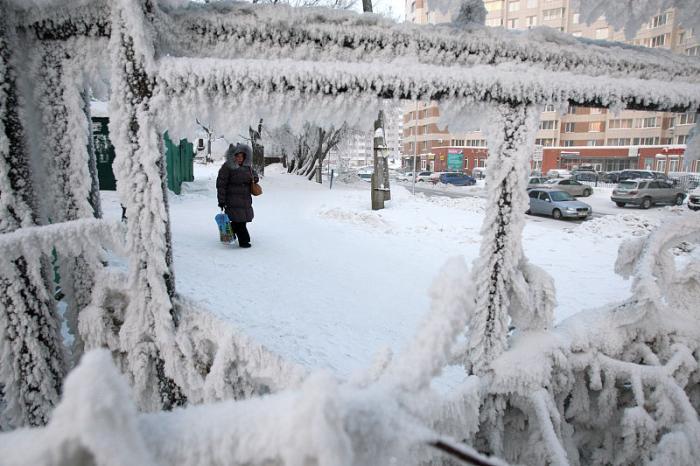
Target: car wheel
[679, 199]
[586, 192]
[528, 212]
[620, 204]
[556, 214]
[646, 203]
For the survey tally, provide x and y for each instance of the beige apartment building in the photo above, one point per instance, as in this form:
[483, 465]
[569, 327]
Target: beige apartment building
[578, 127]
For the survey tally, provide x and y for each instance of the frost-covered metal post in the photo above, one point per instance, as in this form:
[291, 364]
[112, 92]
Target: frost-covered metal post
[147, 334]
[31, 355]
[70, 188]
[507, 286]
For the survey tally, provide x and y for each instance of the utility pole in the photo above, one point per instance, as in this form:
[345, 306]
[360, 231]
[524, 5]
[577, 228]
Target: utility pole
[415, 146]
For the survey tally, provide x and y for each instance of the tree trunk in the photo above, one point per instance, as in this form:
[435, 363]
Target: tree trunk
[258, 149]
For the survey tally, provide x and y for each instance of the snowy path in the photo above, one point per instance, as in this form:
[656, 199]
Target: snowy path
[328, 282]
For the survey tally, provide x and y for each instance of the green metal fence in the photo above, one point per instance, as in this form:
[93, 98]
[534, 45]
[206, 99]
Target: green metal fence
[179, 158]
[180, 162]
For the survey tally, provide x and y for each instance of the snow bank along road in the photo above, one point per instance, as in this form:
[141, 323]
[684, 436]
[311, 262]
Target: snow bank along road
[329, 283]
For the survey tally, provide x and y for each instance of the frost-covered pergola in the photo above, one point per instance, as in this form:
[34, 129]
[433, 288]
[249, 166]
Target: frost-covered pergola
[616, 385]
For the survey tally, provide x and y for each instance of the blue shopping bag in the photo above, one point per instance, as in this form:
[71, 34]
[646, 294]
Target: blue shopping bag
[225, 232]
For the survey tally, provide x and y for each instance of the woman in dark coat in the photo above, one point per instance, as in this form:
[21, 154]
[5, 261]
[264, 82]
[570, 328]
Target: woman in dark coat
[233, 190]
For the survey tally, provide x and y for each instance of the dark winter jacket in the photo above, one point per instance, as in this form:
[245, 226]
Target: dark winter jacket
[233, 184]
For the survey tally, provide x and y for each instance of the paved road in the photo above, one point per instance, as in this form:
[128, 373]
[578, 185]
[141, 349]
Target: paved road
[428, 190]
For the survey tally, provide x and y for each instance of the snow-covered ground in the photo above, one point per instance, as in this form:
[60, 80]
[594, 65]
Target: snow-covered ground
[329, 283]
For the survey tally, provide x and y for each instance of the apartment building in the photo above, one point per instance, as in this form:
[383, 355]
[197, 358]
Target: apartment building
[356, 150]
[576, 130]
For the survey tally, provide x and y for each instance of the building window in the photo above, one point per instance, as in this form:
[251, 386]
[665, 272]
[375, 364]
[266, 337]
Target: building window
[514, 6]
[569, 127]
[494, 22]
[548, 124]
[458, 142]
[651, 141]
[685, 119]
[658, 41]
[546, 142]
[682, 36]
[619, 141]
[532, 3]
[576, 34]
[658, 21]
[651, 122]
[693, 51]
[513, 23]
[601, 33]
[624, 123]
[681, 139]
[568, 143]
[476, 143]
[494, 6]
[576, 18]
[595, 126]
[549, 108]
[532, 21]
[554, 13]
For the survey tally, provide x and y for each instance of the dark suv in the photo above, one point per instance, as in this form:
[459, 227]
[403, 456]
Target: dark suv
[645, 193]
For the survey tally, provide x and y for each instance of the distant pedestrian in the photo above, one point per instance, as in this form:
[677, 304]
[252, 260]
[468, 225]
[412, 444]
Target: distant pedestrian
[233, 190]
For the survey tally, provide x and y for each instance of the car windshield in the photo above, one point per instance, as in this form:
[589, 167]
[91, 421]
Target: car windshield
[552, 181]
[627, 185]
[560, 196]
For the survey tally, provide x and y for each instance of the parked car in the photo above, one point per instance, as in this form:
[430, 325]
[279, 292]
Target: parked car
[694, 199]
[423, 176]
[612, 177]
[558, 173]
[642, 175]
[645, 193]
[571, 186]
[364, 176]
[585, 176]
[535, 181]
[457, 179]
[406, 176]
[435, 177]
[479, 173]
[558, 204]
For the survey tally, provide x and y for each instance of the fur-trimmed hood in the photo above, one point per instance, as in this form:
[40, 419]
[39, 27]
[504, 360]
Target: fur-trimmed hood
[233, 150]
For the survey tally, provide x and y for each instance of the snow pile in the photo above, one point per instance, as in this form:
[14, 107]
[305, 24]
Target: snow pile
[626, 224]
[619, 226]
